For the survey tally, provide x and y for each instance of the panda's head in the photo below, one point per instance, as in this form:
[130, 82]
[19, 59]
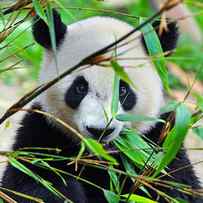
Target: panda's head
[83, 99]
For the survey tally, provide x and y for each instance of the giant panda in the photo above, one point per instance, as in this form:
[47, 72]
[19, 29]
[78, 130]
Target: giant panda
[80, 99]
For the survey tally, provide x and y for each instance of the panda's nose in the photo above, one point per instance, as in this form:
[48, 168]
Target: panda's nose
[98, 132]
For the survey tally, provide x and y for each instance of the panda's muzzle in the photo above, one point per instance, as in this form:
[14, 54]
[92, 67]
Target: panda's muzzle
[100, 133]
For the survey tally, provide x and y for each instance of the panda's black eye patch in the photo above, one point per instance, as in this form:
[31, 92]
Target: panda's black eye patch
[127, 96]
[76, 92]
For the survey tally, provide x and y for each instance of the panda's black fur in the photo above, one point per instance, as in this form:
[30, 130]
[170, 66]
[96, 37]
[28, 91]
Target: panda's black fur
[41, 31]
[36, 131]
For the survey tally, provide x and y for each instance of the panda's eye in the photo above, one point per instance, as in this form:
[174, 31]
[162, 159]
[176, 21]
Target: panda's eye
[127, 96]
[81, 89]
[76, 92]
[123, 91]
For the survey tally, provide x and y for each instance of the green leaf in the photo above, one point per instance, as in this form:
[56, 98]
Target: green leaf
[136, 118]
[39, 10]
[155, 50]
[130, 169]
[175, 138]
[15, 163]
[120, 71]
[67, 15]
[134, 147]
[181, 200]
[82, 150]
[44, 164]
[199, 102]
[111, 196]
[138, 199]
[1, 200]
[135, 155]
[170, 106]
[8, 124]
[115, 98]
[114, 179]
[98, 150]
[50, 20]
[198, 131]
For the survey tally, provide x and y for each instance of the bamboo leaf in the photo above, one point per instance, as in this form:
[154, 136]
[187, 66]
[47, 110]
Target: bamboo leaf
[44, 164]
[120, 71]
[199, 99]
[154, 48]
[134, 147]
[175, 138]
[138, 199]
[98, 150]
[39, 10]
[8, 124]
[130, 169]
[15, 163]
[199, 131]
[171, 106]
[111, 196]
[115, 98]
[137, 118]
[114, 179]
[51, 25]
[181, 200]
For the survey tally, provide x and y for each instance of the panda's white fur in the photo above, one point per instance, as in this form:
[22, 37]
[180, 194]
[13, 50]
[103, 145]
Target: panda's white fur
[83, 39]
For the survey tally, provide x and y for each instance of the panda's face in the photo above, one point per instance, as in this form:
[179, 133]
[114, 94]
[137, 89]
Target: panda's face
[90, 97]
[83, 99]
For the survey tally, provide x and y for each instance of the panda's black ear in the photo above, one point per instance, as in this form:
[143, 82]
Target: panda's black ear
[168, 38]
[41, 33]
